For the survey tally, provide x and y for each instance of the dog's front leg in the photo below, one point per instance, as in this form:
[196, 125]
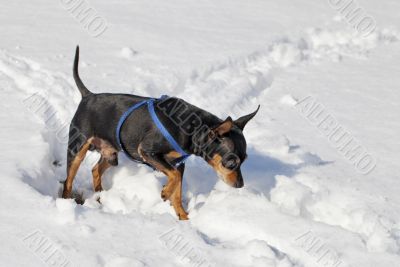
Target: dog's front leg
[176, 196]
[173, 189]
[169, 188]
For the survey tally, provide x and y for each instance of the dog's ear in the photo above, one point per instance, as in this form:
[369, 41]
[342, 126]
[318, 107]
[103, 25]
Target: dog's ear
[224, 127]
[242, 121]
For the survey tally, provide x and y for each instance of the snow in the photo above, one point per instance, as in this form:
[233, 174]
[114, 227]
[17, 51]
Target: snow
[305, 201]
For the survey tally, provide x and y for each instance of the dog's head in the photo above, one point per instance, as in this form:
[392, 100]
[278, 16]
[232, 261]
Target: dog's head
[226, 149]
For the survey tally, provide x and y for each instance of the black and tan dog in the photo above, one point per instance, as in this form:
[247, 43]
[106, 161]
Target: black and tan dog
[220, 142]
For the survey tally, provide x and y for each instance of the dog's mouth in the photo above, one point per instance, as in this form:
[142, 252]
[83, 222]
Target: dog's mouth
[113, 161]
[239, 181]
[232, 178]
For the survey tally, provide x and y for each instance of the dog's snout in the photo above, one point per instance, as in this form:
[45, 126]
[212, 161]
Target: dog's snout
[239, 181]
[239, 184]
[113, 161]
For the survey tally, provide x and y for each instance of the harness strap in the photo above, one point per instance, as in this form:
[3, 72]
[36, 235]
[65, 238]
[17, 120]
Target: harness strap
[166, 134]
[121, 122]
[157, 122]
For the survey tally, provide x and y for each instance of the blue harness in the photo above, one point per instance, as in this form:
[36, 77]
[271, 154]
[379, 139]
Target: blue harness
[160, 126]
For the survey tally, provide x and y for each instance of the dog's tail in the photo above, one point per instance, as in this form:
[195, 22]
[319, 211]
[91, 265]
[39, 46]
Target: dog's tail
[82, 88]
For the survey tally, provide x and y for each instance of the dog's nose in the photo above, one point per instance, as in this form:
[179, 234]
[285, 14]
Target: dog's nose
[239, 184]
[113, 161]
[239, 181]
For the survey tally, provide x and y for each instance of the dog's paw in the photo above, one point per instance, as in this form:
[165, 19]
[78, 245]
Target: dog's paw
[98, 188]
[165, 193]
[183, 216]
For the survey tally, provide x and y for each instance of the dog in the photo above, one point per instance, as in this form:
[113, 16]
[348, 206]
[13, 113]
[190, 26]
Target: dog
[220, 143]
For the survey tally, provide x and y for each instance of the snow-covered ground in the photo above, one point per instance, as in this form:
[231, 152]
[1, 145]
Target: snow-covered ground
[310, 198]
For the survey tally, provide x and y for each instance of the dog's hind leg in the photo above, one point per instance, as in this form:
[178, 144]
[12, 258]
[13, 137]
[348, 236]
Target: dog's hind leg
[74, 161]
[98, 171]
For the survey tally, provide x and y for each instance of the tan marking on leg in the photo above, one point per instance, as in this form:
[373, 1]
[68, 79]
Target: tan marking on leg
[73, 169]
[170, 173]
[173, 155]
[176, 200]
[173, 189]
[173, 192]
[169, 188]
[97, 172]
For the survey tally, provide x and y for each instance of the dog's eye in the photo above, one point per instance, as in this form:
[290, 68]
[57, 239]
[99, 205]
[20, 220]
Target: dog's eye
[231, 164]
